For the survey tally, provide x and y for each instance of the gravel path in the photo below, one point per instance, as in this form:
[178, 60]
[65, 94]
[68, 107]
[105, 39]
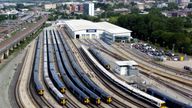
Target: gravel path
[178, 64]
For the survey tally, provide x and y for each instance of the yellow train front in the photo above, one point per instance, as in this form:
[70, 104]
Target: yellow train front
[109, 100]
[40, 92]
[107, 66]
[163, 105]
[62, 90]
[98, 101]
[38, 87]
[86, 101]
[63, 101]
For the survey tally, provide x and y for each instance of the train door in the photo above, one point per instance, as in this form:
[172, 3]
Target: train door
[77, 36]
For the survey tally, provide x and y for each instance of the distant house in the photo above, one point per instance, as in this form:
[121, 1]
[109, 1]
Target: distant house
[50, 6]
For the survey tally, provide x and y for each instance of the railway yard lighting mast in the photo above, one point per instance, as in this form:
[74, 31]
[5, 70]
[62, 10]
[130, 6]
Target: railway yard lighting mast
[173, 47]
[8, 34]
[163, 43]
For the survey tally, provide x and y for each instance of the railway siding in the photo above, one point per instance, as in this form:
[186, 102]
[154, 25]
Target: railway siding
[164, 73]
[47, 96]
[25, 98]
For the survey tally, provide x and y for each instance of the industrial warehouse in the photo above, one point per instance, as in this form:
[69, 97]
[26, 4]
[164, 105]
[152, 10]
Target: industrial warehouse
[83, 29]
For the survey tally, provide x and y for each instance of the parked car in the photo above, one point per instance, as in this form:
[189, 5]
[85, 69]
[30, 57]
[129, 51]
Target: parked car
[169, 53]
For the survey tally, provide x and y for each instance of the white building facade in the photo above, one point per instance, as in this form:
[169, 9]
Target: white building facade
[83, 29]
[88, 8]
[126, 68]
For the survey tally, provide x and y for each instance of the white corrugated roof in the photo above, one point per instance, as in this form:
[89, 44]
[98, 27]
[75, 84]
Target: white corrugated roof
[126, 63]
[111, 28]
[81, 24]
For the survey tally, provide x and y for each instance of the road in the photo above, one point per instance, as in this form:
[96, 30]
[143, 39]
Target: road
[7, 72]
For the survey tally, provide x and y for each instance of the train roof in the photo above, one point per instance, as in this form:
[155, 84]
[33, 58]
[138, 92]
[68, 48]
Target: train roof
[120, 81]
[171, 95]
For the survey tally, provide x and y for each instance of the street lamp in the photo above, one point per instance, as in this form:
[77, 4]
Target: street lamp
[8, 25]
[163, 43]
[173, 47]
[155, 40]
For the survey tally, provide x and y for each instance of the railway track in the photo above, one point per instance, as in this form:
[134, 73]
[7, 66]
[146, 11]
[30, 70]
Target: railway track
[163, 80]
[110, 86]
[41, 100]
[90, 105]
[23, 93]
[82, 65]
[186, 93]
[174, 77]
[102, 48]
[106, 84]
[143, 68]
[17, 84]
[116, 104]
[20, 35]
[107, 51]
[46, 97]
[71, 103]
[131, 101]
[166, 83]
[152, 62]
[115, 90]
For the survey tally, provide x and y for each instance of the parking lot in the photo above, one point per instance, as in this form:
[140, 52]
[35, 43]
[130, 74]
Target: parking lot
[157, 53]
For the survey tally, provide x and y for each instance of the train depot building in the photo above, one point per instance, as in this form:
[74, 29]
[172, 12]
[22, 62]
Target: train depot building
[126, 68]
[84, 29]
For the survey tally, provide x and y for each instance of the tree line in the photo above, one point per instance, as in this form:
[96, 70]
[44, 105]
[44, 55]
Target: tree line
[158, 29]
[5, 17]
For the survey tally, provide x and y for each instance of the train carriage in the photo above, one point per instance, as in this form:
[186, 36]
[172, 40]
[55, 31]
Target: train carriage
[75, 91]
[53, 90]
[84, 78]
[170, 102]
[100, 58]
[35, 72]
[123, 85]
[52, 70]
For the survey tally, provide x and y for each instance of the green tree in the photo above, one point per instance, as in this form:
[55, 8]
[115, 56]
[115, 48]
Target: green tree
[159, 29]
[19, 6]
[113, 19]
[135, 10]
[175, 24]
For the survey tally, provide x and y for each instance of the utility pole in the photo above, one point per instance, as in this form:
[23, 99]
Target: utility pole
[173, 47]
